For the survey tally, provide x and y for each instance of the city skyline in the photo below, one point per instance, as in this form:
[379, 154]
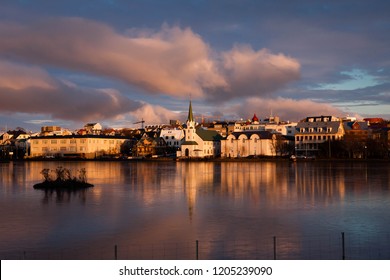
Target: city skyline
[116, 62]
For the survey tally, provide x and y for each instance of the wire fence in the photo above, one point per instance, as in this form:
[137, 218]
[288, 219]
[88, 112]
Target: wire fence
[310, 247]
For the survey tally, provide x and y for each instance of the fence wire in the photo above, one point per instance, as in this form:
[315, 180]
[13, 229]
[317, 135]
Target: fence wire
[308, 247]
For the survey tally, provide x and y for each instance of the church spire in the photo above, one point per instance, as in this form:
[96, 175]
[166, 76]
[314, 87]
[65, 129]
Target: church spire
[190, 115]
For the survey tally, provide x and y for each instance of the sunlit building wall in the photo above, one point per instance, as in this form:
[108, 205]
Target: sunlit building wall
[85, 146]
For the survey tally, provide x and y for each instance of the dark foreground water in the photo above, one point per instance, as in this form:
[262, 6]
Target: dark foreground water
[205, 210]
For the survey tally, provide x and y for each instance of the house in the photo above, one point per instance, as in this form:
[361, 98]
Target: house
[173, 137]
[93, 128]
[355, 138]
[51, 130]
[199, 142]
[149, 145]
[311, 132]
[254, 143]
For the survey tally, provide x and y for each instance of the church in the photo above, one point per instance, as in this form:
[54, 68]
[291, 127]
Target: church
[199, 142]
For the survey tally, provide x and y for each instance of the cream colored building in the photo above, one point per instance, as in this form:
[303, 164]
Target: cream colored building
[83, 146]
[251, 143]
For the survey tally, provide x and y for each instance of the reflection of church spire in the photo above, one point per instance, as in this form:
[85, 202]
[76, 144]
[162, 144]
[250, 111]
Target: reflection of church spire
[191, 199]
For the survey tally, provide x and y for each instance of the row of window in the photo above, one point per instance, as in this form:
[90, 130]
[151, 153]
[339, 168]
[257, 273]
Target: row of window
[315, 129]
[244, 140]
[317, 137]
[73, 141]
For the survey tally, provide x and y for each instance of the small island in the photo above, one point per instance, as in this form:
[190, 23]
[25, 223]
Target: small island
[64, 180]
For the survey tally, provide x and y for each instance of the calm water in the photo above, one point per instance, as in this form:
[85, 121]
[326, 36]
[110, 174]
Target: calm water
[236, 210]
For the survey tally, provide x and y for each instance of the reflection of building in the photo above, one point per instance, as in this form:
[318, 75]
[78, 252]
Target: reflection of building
[199, 142]
[313, 131]
[85, 146]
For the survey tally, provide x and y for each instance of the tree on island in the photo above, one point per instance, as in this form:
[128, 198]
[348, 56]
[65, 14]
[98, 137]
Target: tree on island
[64, 179]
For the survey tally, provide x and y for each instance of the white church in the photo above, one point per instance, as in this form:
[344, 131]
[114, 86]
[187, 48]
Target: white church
[199, 142]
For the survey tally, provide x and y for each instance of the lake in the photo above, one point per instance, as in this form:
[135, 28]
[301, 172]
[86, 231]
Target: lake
[205, 210]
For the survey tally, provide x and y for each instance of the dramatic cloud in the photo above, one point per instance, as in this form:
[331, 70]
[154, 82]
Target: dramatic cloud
[257, 73]
[32, 90]
[172, 61]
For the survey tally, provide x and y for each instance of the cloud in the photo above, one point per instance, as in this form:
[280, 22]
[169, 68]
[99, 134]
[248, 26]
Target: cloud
[255, 73]
[153, 114]
[32, 90]
[173, 61]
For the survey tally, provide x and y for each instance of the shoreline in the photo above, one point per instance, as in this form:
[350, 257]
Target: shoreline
[164, 159]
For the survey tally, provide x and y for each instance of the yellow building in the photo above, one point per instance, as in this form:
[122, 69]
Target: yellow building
[83, 146]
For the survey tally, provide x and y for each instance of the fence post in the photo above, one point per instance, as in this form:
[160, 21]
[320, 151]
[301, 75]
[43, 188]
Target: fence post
[197, 249]
[116, 251]
[343, 245]
[274, 247]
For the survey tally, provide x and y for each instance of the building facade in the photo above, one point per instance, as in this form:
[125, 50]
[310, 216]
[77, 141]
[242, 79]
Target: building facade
[271, 124]
[253, 143]
[311, 132]
[83, 146]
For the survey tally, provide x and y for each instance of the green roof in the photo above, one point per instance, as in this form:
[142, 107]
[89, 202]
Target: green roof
[190, 143]
[208, 135]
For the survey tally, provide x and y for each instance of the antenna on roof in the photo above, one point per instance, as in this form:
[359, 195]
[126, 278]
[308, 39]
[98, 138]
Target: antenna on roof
[141, 122]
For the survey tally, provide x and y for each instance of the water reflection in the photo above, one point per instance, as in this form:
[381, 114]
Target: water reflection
[233, 208]
[64, 196]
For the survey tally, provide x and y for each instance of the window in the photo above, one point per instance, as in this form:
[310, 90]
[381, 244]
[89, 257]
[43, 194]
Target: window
[53, 141]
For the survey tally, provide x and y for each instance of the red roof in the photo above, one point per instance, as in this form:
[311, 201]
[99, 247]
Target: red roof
[255, 118]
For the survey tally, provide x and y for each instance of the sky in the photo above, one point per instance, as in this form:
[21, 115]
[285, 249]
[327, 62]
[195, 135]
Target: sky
[115, 62]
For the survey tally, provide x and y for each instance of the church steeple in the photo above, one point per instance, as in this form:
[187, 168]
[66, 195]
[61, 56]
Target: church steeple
[190, 115]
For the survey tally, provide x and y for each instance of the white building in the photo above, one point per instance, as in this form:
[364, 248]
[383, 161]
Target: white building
[93, 128]
[272, 124]
[173, 137]
[199, 142]
[253, 143]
